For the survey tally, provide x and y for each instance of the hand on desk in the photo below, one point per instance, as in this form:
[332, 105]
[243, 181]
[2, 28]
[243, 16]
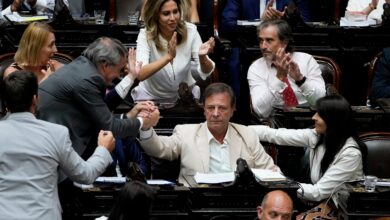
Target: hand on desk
[106, 139]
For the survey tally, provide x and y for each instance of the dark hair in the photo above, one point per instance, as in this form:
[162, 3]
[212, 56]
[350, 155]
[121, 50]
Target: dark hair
[284, 32]
[105, 50]
[18, 90]
[216, 88]
[134, 201]
[338, 116]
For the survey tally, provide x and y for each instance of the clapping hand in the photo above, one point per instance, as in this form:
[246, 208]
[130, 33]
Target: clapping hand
[172, 47]
[134, 67]
[271, 13]
[282, 63]
[207, 47]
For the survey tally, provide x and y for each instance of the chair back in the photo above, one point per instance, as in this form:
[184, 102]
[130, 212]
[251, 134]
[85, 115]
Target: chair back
[371, 72]
[330, 72]
[378, 153]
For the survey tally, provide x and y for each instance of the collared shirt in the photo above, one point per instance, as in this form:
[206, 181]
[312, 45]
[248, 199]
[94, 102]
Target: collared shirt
[266, 89]
[219, 154]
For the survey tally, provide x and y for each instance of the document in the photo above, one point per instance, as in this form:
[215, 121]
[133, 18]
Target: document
[344, 22]
[16, 17]
[213, 178]
[268, 175]
[111, 179]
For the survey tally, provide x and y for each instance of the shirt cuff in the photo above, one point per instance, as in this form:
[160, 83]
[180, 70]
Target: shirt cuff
[141, 122]
[124, 86]
[145, 134]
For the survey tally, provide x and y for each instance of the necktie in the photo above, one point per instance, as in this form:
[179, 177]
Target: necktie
[289, 97]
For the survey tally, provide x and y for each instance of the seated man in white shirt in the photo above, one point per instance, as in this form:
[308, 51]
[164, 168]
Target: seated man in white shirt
[272, 77]
[212, 146]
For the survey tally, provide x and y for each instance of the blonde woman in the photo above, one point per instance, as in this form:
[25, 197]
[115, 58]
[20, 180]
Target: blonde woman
[36, 48]
[190, 10]
[171, 51]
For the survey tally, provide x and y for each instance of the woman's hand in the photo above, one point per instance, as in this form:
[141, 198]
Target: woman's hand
[207, 47]
[134, 67]
[172, 47]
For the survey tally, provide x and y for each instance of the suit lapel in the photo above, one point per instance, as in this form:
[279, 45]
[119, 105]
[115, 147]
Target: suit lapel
[203, 147]
[235, 146]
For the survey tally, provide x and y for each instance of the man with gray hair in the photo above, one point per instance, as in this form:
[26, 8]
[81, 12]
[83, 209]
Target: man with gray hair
[282, 77]
[74, 96]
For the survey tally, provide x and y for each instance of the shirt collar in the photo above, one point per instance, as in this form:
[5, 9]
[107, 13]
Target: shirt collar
[226, 139]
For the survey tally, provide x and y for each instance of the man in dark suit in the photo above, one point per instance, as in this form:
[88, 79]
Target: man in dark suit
[74, 96]
[381, 80]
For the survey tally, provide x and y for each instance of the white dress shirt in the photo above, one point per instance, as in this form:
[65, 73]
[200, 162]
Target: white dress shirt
[219, 154]
[267, 90]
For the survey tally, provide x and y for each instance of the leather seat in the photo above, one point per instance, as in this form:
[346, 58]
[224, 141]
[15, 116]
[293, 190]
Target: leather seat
[330, 72]
[378, 153]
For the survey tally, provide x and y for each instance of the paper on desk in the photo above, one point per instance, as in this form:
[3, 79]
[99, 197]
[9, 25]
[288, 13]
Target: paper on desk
[16, 17]
[344, 22]
[248, 23]
[110, 179]
[268, 175]
[159, 182]
[212, 178]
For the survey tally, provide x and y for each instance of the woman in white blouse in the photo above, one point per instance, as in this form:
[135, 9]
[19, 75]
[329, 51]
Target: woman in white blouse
[336, 154]
[171, 51]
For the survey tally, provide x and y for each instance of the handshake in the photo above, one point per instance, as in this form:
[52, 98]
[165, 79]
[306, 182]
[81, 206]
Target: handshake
[147, 111]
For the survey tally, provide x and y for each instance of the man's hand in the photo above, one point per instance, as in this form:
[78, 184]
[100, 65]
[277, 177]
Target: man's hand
[207, 47]
[293, 71]
[281, 63]
[271, 13]
[106, 139]
[133, 67]
[17, 3]
[141, 109]
[152, 120]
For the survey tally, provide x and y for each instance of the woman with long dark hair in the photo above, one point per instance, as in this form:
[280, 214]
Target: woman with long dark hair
[336, 154]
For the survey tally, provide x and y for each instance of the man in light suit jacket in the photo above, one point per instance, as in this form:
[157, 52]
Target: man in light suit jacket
[33, 151]
[213, 146]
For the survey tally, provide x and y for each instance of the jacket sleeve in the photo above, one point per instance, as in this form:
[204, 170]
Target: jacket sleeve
[76, 168]
[381, 81]
[91, 99]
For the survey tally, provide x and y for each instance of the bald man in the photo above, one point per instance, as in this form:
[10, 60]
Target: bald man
[276, 205]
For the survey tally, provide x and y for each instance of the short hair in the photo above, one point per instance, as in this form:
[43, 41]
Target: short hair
[18, 90]
[105, 50]
[284, 32]
[265, 198]
[152, 16]
[134, 200]
[31, 44]
[216, 88]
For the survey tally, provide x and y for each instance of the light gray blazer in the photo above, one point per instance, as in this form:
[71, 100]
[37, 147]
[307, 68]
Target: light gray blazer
[32, 152]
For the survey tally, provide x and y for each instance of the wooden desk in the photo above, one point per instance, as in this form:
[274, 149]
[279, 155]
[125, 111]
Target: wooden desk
[356, 203]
